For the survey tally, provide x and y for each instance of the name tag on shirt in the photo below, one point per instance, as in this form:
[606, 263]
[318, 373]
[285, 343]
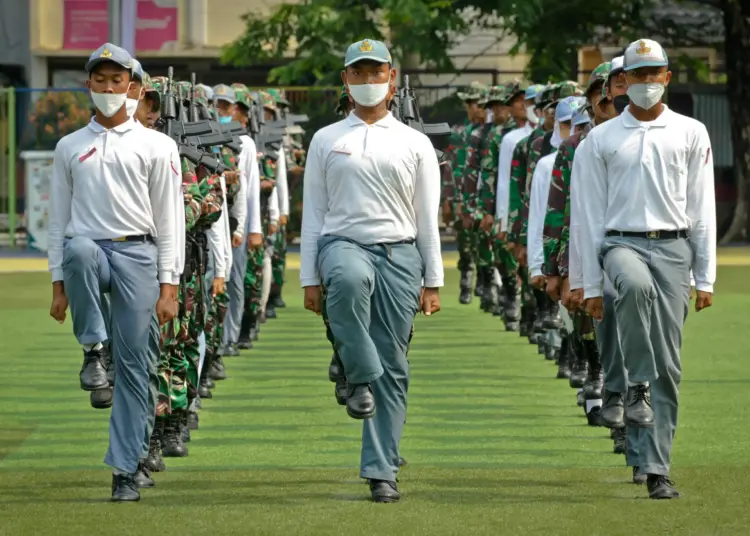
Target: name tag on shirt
[342, 149]
[87, 154]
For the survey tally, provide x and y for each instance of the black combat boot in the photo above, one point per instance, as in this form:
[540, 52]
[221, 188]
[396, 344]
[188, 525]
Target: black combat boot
[512, 303]
[255, 329]
[154, 461]
[172, 445]
[592, 388]
[184, 429]
[244, 342]
[552, 318]
[563, 363]
[278, 301]
[488, 303]
[270, 310]
[467, 278]
[216, 370]
[578, 365]
[230, 350]
[192, 420]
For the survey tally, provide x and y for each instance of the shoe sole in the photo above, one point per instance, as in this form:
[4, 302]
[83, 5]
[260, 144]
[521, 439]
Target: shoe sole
[120, 499]
[618, 425]
[147, 486]
[89, 388]
[359, 417]
[639, 424]
[384, 500]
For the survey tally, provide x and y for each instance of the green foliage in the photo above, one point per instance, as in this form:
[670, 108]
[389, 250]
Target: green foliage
[317, 32]
[55, 114]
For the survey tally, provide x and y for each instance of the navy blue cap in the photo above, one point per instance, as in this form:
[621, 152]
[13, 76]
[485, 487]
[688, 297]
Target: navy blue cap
[113, 53]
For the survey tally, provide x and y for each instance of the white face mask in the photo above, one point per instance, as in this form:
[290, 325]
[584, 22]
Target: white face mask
[531, 115]
[109, 103]
[369, 95]
[131, 105]
[646, 96]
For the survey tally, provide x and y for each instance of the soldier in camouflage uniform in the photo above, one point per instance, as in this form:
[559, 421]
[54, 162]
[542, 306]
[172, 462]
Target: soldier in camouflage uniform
[457, 156]
[345, 104]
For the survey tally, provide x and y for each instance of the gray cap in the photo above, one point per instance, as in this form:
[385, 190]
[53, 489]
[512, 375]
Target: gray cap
[137, 69]
[225, 93]
[367, 49]
[110, 52]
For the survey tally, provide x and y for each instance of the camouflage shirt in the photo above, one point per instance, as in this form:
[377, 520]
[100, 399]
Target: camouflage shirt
[559, 198]
[539, 149]
[476, 153]
[518, 186]
[460, 154]
[490, 161]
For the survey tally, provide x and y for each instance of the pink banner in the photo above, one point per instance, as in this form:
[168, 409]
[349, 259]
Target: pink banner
[86, 24]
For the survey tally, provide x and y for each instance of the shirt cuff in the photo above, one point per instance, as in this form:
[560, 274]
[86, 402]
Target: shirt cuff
[219, 274]
[57, 275]
[434, 282]
[310, 282]
[176, 278]
[704, 287]
[165, 277]
[592, 292]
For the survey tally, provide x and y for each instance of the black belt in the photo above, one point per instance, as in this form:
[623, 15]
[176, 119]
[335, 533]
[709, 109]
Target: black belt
[134, 238]
[653, 235]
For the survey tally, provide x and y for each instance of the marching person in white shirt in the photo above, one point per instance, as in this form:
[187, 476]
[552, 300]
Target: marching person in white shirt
[370, 237]
[647, 186]
[112, 227]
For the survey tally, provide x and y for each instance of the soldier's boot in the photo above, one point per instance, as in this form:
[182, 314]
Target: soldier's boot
[594, 384]
[337, 375]
[230, 350]
[527, 320]
[467, 278]
[204, 391]
[93, 375]
[552, 318]
[192, 420]
[620, 439]
[216, 370]
[552, 353]
[154, 461]
[578, 365]
[490, 296]
[255, 329]
[244, 341]
[276, 299]
[563, 363]
[270, 310]
[182, 415]
[172, 445]
[512, 313]
[479, 285]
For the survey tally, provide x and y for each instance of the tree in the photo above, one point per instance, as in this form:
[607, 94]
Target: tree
[317, 33]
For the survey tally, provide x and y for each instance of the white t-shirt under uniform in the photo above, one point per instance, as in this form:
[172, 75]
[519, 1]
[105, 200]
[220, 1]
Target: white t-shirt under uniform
[372, 184]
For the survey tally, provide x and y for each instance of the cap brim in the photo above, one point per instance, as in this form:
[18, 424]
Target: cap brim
[645, 64]
[91, 64]
[564, 119]
[379, 59]
[230, 100]
[581, 122]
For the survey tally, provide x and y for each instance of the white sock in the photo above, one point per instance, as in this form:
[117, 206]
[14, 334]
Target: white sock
[89, 347]
[633, 384]
[591, 404]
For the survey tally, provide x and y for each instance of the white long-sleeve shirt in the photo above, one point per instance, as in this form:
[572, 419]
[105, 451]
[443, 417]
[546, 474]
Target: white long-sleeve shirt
[540, 183]
[249, 168]
[273, 206]
[179, 229]
[655, 176]
[111, 183]
[575, 267]
[371, 184]
[219, 240]
[505, 161]
[282, 183]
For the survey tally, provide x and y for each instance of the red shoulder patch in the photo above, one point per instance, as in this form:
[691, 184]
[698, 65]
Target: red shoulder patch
[515, 162]
[556, 173]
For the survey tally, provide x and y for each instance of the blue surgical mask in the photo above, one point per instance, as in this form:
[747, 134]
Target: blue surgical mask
[224, 119]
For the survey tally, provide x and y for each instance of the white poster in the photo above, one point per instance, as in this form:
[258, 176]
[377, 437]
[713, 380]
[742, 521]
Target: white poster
[38, 166]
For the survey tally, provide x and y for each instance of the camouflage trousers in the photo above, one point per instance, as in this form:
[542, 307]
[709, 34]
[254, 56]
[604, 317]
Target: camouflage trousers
[278, 260]
[465, 244]
[329, 333]
[485, 248]
[178, 362]
[505, 261]
[214, 329]
[254, 281]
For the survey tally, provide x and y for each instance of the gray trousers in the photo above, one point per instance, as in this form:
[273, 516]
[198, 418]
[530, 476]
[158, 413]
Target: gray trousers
[608, 338]
[652, 281]
[372, 298]
[236, 294]
[128, 272]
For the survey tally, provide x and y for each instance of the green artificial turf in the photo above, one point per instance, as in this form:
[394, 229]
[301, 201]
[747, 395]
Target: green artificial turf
[495, 444]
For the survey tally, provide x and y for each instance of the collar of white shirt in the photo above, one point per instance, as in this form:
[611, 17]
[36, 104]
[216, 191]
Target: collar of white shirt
[124, 127]
[628, 121]
[355, 121]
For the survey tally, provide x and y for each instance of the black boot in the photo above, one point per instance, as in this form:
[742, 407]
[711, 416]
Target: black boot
[552, 319]
[216, 370]
[490, 295]
[184, 429]
[154, 461]
[578, 365]
[270, 310]
[255, 329]
[93, 375]
[143, 476]
[125, 489]
[192, 420]
[467, 278]
[244, 342]
[277, 301]
[563, 363]
[594, 385]
[337, 375]
[172, 444]
[230, 350]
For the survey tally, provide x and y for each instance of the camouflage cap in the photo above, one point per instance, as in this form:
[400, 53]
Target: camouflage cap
[474, 91]
[495, 94]
[598, 75]
[159, 84]
[267, 99]
[569, 88]
[147, 84]
[200, 95]
[513, 88]
[242, 94]
[279, 97]
[544, 97]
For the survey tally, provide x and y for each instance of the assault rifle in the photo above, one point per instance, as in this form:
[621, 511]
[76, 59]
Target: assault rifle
[268, 137]
[193, 137]
[405, 108]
